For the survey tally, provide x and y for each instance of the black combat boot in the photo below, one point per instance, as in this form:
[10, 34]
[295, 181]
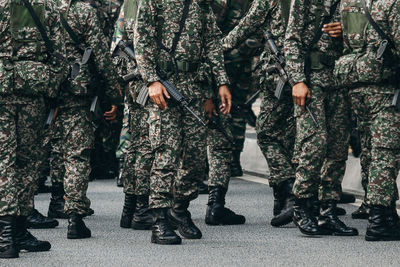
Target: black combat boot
[286, 214]
[236, 168]
[56, 207]
[143, 216]
[279, 199]
[42, 187]
[392, 218]
[128, 210]
[162, 232]
[36, 220]
[203, 188]
[329, 222]
[180, 217]
[346, 198]
[25, 240]
[8, 247]
[216, 213]
[77, 228]
[362, 212]
[378, 227]
[315, 208]
[303, 217]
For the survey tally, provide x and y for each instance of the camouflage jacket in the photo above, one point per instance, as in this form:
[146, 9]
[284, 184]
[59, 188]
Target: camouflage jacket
[305, 21]
[361, 42]
[200, 33]
[83, 21]
[25, 66]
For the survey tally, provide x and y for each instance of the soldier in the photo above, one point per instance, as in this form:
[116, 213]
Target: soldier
[321, 146]
[72, 131]
[30, 69]
[238, 67]
[370, 67]
[176, 46]
[275, 124]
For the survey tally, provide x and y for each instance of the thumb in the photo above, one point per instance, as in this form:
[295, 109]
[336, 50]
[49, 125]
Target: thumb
[165, 92]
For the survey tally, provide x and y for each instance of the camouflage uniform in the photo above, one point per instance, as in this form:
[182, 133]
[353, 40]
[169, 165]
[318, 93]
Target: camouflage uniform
[26, 77]
[372, 93]
[320, 153]
[275, 123]
[72, 131]
[176, 137]
[237, 64]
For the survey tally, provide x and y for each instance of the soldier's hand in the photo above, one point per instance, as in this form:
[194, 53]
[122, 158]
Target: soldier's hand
[111, 114]
[226, 99]
[209, 108]
[334, 29]
[300, 94]
[157, 92]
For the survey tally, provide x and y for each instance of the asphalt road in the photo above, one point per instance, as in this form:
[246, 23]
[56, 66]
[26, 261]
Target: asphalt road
[254, 244]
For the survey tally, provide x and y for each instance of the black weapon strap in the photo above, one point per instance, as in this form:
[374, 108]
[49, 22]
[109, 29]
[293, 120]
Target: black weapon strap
[381, 33]
[48, 43]
[177, 36]
[317, 37]
[71, 33]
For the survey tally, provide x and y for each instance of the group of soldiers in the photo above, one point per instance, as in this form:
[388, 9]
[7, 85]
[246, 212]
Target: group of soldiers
[182, 72]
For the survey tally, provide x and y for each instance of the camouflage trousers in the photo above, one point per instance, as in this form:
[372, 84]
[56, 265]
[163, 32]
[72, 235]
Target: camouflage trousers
[139, 155]
[379, 126]
[125, 135]
[72, 139]
[179, 144]
[275, 136]
[20, 125]
[219, 153]
[240, 76]
[321, 153]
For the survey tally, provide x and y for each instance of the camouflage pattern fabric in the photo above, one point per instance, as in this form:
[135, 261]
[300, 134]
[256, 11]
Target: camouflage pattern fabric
[275, 123]
[377, 118]
[237, 64]
[72, 133]
[219, 154]
[320, 153]
[25, 79]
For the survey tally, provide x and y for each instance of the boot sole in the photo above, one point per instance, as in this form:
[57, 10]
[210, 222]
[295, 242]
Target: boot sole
[376, 239]
[48, 226]
[78, 236]
[307, 233]
[11, 254]
[165, 242]
[36, 249]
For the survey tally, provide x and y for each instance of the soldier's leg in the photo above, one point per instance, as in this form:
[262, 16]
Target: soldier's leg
[275, 137]
[384, 168]
[124, 141]
[165, 136]
[364, 126]
[220, 158]
[309, 154]
[190, 172]
[338, 125]
[29, 122]
[143, 218]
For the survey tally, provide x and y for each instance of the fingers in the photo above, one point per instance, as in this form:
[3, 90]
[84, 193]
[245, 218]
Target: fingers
[165, 92]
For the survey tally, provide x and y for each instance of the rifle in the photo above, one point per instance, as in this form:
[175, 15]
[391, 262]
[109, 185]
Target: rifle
[171, 89]
[279, 68]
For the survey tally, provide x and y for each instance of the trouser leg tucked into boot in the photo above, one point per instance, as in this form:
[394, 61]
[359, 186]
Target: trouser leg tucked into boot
[180, 217]
[379, 227]
[329, 222]
[56, 207]
[36, 220]
[128, 210]
[286, 214]
[217, 213]
[143, 216]
[236, 168]
[162, 232]
[25, 240]
[8, 247]
[303, 217]
[77, 228]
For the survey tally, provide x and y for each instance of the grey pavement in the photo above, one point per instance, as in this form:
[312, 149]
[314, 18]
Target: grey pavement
[254, 244]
